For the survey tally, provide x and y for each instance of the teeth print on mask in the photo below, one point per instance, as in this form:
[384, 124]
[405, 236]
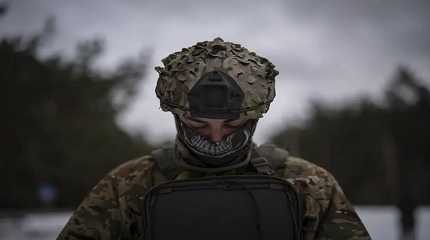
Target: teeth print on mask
[203, 145]
[220, 149]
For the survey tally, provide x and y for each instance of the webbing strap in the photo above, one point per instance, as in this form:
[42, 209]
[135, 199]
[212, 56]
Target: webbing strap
[164, 157]
[262, 166]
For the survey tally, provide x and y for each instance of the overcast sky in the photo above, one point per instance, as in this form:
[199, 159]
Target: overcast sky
[332, 50]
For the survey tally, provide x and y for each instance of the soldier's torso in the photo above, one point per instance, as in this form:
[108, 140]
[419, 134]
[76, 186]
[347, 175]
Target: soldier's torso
[311, 182]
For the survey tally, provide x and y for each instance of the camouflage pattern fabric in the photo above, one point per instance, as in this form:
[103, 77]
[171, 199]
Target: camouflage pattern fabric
[254, 74]
[113, 209]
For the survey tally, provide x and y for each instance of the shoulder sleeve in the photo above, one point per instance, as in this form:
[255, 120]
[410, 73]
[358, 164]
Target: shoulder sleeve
[101, 213]
[339, 220]
[328, 213]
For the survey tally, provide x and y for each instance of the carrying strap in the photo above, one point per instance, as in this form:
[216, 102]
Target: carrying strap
[165, 160]
[262, 166]
[267, 159]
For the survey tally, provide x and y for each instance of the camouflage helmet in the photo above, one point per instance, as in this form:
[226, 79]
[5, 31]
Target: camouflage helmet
[254, 75]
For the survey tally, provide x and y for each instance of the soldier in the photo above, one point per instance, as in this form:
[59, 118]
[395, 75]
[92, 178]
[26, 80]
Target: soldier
[215, 182]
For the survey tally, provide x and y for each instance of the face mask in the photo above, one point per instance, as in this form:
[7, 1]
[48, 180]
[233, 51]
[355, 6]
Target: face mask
[230, 149]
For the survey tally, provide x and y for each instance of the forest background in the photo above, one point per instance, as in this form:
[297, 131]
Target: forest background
[61, 133]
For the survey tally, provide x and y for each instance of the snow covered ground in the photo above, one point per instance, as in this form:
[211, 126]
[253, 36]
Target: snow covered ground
[380, 221]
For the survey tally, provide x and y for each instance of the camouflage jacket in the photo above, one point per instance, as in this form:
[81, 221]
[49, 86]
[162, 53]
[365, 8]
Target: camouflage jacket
[113, 209]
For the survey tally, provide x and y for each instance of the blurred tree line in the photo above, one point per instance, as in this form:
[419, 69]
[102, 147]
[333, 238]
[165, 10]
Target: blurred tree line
[58, 125]
[379, 152]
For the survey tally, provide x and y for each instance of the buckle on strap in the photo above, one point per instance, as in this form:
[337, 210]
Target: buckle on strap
[262, 166]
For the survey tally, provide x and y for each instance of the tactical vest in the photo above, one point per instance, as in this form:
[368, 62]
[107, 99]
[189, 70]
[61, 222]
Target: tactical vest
[252, 206]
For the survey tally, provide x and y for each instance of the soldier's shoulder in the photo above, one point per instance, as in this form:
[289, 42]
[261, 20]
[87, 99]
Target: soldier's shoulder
[311, 179]
[326, 206]
[133, 167]
[315, 183]
[296, 167]
[146, 171]
[291, 166]
[133, 175]
[297, 170]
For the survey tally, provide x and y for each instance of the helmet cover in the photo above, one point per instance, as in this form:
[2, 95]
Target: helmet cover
[199, 67]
